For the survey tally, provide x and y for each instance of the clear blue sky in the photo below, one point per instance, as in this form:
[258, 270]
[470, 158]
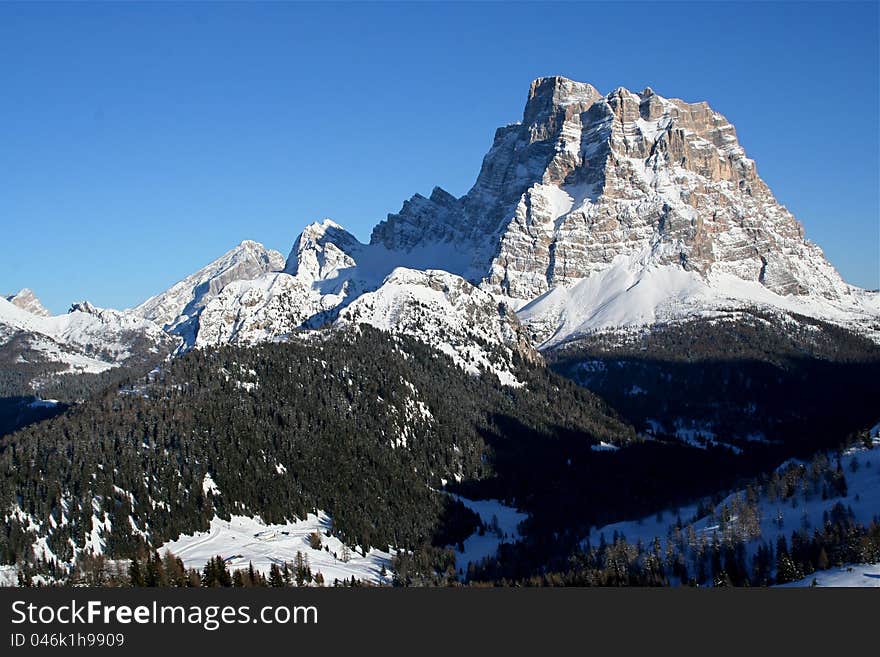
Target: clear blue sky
[140, 141]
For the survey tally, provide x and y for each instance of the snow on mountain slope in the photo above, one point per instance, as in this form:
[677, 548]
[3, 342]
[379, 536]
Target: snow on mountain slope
[333, 261]
[244, 540]
[502, 526]
[448, 313]
[331, 279]
[87, 339]
[265, 308]
[178, 307]
[865, 575]
[27, 300]
[637, 292]
[438, 308]
[771, 516]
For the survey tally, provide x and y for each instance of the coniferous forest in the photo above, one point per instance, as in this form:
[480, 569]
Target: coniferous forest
[371, 428]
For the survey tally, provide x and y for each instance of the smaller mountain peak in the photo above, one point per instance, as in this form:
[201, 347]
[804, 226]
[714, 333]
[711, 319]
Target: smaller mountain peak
[318, 229]
[83, 307]
[441, 196]
[27, 300]
[621, 92]
[309, 254]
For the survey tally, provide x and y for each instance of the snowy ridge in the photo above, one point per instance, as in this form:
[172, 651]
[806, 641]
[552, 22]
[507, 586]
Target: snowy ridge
[634, 292]
[446, 312]
[175, 308]
[265, 308]
[332, 280]
[87, 339]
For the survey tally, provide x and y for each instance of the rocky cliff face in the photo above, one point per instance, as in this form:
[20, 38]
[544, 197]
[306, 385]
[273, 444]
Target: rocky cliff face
[586, 178]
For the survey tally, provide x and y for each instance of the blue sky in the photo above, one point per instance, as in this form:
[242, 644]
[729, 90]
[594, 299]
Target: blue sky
[140, 141]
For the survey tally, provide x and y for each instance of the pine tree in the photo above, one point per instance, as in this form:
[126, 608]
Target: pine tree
[134, 573]
[276, 578]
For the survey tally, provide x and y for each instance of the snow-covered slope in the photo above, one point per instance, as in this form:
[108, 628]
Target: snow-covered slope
[865, 575]
[265, 308]
[448, 313]
[178, 307]
[242, 541]
[438, 308]
[637, 292]
[87, 339]
[501, 526]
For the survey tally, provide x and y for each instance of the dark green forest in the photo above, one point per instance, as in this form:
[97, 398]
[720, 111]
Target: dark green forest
[369, 426]
[791, 381]
[340, 412]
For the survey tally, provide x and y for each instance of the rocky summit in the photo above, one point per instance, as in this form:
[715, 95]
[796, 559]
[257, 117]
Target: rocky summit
[27, 300]
[585, 178]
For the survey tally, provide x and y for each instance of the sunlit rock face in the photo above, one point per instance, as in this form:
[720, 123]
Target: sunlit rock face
[585, 178]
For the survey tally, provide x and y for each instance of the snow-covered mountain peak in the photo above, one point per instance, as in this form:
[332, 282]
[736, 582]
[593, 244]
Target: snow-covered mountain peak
[322, 251]
[549, 94]
[83, 307]
[27, 300]
[179, 306]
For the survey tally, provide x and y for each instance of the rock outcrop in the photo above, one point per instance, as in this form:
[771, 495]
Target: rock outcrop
[27, 300]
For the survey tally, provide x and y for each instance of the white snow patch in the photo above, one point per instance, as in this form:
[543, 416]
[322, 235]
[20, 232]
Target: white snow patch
[243, 540]
[502, 526]
[209, 486]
